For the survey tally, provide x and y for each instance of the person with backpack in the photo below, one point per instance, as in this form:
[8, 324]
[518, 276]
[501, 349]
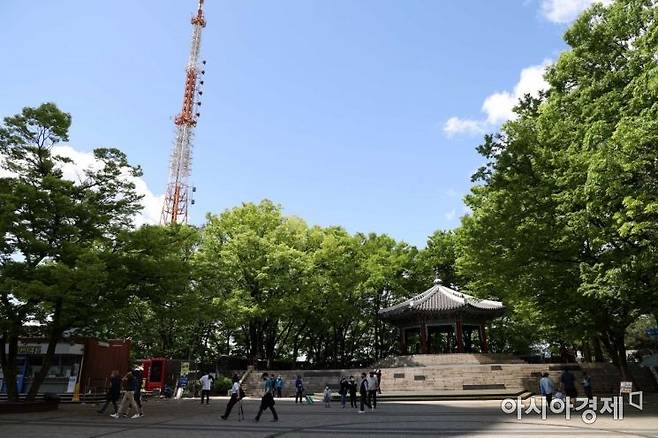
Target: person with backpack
[267, 401]
[113, 393]
[343, 389]
[236, 393]
[299, 389]
[363, 391]
[351, 384]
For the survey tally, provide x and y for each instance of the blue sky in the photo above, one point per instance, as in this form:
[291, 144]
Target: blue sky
[360, 113]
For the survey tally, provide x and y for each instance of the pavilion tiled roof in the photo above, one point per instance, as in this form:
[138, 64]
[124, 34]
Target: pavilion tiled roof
[441, 300]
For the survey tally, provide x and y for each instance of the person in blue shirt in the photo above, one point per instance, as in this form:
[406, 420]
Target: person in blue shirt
[267, 401]
[587, 385]
[278, 385]
[546, 388]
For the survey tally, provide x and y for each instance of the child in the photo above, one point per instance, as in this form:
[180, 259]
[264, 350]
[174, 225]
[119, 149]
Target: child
[327, 397]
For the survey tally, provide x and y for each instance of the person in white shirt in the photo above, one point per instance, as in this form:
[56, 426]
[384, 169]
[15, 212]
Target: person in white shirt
[235, 397]
[206, 384]
[372, 390]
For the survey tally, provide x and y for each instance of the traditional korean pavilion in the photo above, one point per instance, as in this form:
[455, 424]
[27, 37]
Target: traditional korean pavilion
[442, 320]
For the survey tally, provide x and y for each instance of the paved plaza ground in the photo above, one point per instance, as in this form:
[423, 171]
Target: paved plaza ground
[188, 419]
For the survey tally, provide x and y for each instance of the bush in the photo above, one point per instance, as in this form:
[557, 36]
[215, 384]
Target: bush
[222, 385]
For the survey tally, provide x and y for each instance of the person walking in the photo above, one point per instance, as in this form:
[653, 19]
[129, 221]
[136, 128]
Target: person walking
[351, 384]
[267, 401]
[299, 389]
[568, 381]
[546, 388]
[278, 385]
[372, 390]
[235, 397]
[587, 385]
[113, 393]
[343, 389]
[128, 400]
[137, 393]
[363, 392]
[206, 384]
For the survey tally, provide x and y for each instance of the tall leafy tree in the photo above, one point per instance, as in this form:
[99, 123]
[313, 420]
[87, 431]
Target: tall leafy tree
[564, 216]
[59, 235]
[166, 314]
[256, 255]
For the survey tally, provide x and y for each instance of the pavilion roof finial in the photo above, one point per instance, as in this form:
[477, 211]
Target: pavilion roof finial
[437, 278]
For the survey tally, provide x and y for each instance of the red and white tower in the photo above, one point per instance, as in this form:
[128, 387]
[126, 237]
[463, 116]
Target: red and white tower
[179, 192]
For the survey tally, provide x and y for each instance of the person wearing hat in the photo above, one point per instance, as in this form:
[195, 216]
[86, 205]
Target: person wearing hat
[137, 384]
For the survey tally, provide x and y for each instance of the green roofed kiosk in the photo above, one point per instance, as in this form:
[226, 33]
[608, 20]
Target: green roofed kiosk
[442, 320]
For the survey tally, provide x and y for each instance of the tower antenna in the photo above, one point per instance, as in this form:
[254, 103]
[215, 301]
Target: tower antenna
[178, 196]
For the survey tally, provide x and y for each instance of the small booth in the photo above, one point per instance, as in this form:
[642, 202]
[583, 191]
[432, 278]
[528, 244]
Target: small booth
[82, 362]
[160, 372]
[442, 320]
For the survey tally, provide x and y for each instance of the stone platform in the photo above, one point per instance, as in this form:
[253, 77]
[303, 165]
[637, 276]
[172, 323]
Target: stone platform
[475, 376]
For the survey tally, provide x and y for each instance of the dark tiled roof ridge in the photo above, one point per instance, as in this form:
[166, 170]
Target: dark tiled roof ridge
[439, 299]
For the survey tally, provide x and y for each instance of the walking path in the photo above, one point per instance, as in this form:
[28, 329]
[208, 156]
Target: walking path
[188, 419]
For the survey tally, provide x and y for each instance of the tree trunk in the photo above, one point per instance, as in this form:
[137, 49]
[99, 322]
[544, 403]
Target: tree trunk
[253, 342]
[53, 338]
[587, 350]
[8, 361]
[615, 346]
[598, 353]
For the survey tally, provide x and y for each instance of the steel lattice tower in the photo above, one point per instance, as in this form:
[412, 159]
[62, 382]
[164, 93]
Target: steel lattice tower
[179, 192]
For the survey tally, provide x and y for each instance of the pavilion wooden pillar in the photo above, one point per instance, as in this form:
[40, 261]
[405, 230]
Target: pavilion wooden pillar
[403, 342]
[423, 338]
[459, 332]
[483, 338]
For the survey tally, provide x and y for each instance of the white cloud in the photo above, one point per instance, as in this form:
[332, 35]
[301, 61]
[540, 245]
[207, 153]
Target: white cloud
[564, 11]
[456, 125]
[85, 160]
[498, 107]
[450, 215]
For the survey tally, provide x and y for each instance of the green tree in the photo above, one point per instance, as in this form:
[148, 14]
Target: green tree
[439, 258]
[166, 314]
[59, 234]
[257, 256]
[564, 217]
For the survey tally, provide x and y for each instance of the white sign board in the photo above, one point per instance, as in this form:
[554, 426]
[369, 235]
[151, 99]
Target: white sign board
[71, 385]
[625, 387]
